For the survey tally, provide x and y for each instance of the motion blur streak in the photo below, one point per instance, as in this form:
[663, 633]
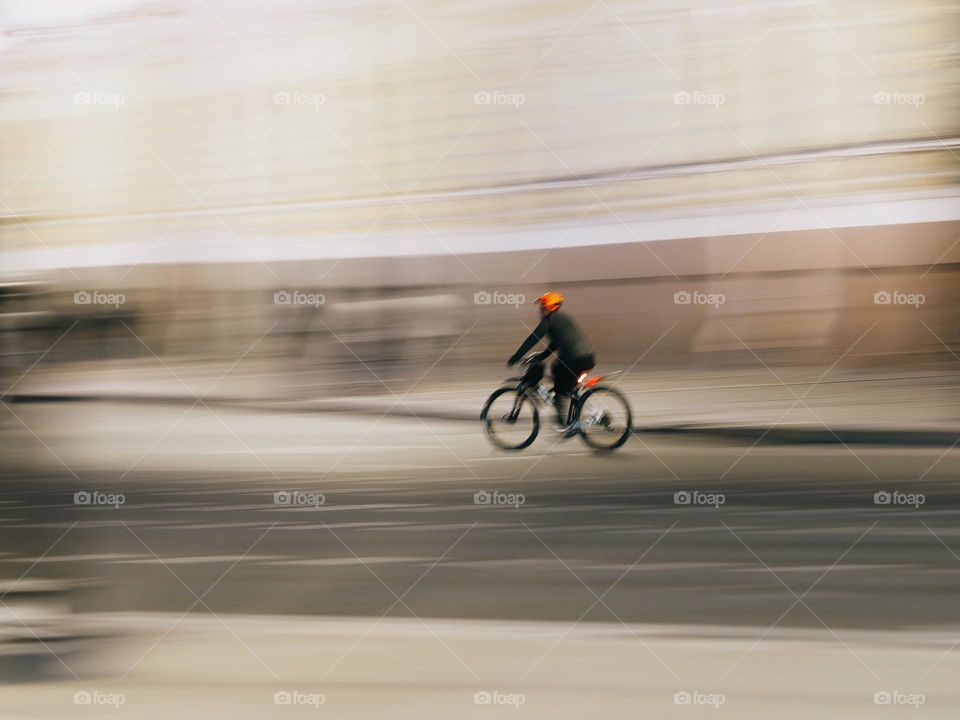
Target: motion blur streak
[261, 263]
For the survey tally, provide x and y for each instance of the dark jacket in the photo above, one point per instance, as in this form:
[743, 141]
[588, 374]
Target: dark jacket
[565, 338]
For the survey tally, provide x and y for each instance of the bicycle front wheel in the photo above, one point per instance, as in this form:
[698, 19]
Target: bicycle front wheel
[510, 419]
[605, 418]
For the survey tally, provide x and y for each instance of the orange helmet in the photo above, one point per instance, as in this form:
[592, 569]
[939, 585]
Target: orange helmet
[550, 301]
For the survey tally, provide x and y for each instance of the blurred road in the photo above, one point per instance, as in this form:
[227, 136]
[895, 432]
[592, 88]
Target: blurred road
[391, 592]
[398, 503]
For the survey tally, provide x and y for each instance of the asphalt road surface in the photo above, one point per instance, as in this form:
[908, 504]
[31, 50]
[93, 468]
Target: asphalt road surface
[380, 517]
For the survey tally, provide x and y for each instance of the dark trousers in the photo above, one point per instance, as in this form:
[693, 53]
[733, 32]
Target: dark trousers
[565, 372]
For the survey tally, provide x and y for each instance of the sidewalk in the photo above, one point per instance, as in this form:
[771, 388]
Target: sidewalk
[781, 405]
[260, 666]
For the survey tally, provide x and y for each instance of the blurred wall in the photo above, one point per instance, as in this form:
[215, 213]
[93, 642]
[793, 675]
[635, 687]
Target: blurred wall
[169, 121]
[199, 157]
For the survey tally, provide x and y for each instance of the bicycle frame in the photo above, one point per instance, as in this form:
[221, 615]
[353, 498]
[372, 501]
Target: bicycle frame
[528, 388]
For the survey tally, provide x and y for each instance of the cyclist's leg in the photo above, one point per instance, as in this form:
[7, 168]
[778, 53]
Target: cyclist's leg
[569, 371]
[587, 363]
[564, 378]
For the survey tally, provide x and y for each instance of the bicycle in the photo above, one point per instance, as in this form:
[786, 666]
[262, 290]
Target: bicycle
[603, 413]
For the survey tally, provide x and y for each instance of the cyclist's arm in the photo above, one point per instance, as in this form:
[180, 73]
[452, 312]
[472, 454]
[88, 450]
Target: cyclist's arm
[551, 349]
[536, 336]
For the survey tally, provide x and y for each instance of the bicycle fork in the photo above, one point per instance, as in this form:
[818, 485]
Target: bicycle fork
[517, 405]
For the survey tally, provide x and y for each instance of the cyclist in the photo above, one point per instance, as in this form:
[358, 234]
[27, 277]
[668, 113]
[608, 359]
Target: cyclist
[574, 351]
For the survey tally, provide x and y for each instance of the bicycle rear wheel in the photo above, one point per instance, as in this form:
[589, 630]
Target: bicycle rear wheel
[605, 418]
[510, 419]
